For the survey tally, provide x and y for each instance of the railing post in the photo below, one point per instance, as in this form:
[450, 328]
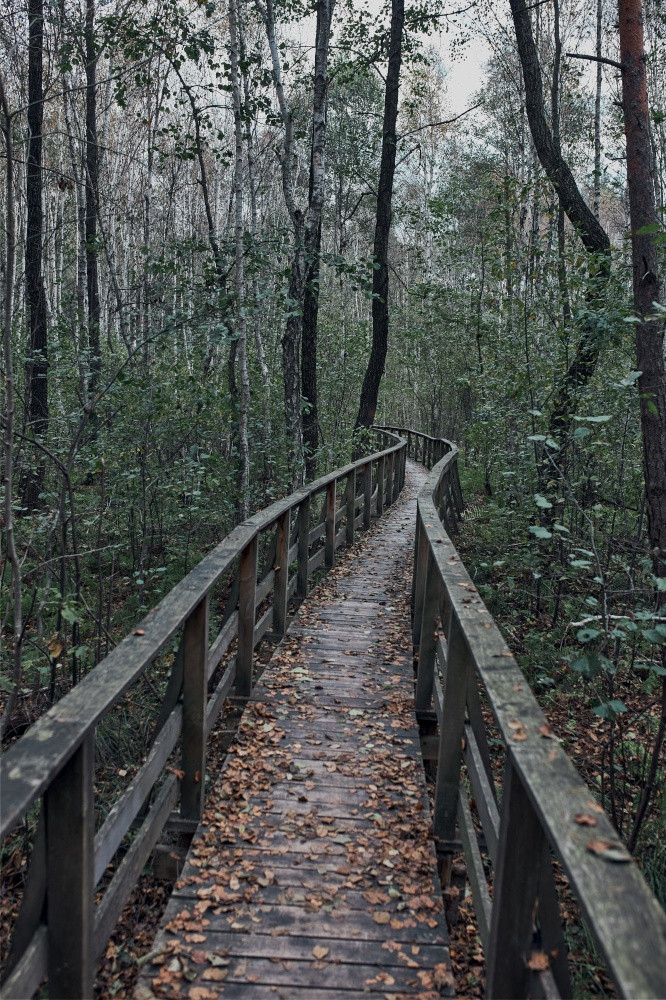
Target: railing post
[400, 477]
[351, 506]
[195, 689]
[390, 473]
[421, 548]
[281, 569]
[380, 485]
[246, 614]
[409, 443]
[303, 547]
[428, 641]
[367, 495]
[516, 886]
[331, 502]
[450, 738]
[70, 847]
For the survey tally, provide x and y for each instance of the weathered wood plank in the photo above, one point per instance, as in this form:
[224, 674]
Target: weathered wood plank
[195, 691]
[340, 773]
[30, 970]
[69, 810]
[130, 868]
[123, 812]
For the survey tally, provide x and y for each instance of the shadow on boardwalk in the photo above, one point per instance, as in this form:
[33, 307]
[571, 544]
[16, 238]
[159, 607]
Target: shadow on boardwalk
[313, 874]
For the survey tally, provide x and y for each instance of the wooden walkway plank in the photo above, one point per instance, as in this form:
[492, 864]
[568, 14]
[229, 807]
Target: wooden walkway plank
[313, 873]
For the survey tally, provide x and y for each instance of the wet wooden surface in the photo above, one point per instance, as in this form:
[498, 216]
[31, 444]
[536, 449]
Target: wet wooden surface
[313, 873]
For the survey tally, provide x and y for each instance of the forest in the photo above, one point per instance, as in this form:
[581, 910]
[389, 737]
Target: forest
[235, 235]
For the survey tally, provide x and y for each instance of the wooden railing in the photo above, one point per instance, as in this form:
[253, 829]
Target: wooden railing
[61, 931]
[543, 810]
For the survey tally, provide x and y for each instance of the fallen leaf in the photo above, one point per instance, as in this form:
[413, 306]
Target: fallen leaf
[216, 975]
[381, 917]
[609, 851]
[319, 952]
[583, 819]
[139, 631]
[538, 962]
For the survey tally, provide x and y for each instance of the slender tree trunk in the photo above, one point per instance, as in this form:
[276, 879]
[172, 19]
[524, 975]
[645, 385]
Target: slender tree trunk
[596, 203]
[37, 367]
[595, 240]
[305, 221]
[650, 328]
[309, 362]
[10, 409]
[644, 222]
[92, 186]
[241, 321]
[380, 277]
[256, 310]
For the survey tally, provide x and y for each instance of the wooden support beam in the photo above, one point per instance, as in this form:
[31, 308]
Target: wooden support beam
[428, 639]
[281, 581]
[303, 547]
[70, 839]
[450, 743]
[329, 558]
[367, 495]
[195, 691]
[515, 892]
[246, 616]
[351, 507]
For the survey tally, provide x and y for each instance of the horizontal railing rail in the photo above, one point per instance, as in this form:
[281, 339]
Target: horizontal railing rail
[541, 809]
[61, 931]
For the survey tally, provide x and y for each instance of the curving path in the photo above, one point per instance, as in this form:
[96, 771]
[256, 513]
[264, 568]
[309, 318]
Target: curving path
[312, 874]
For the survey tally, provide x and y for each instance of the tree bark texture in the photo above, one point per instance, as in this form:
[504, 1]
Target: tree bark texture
[380, 278]
[649, 329]
[590, 230]
[37, 367]
[241, 319]
[92, 184]
[305, 221]
[309, 363]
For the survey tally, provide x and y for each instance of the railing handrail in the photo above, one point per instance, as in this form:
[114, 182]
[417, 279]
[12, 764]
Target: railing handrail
[28, 766]
[545, 801]
[54, 760]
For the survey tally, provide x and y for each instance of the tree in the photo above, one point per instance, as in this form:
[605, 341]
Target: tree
[37, 366]
[380, 281]
[650, 321]
[305, 219]
[593, 236]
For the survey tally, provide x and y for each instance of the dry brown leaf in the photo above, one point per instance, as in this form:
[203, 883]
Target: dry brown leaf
[216, 975]
[319, 952]
[538, 962]
[609, 851]
[381, 917]
[584, 819]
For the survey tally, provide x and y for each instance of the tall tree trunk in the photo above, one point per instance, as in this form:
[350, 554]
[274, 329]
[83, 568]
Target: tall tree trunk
[241, 321]
[380, 277]
[592, 234]
[650, 328]
[305, 221]
[9, 415]
[37, 367]
[92, 187]
[644, 223]
[309, 363]
[596, 203]
[254, 228]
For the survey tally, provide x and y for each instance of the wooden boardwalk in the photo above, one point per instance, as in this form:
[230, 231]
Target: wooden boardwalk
[313, 874]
